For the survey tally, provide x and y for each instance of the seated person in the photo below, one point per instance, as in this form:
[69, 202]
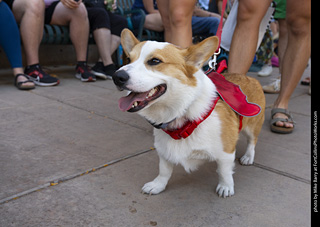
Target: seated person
[29, 14]
[106, 28]
[10, 42]
[204, 23]
[74, 14]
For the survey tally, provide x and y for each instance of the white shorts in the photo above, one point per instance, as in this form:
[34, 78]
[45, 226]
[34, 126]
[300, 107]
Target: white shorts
[231, 22]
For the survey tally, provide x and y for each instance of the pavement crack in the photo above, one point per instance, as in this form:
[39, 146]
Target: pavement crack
[70, 177]
[279, 172]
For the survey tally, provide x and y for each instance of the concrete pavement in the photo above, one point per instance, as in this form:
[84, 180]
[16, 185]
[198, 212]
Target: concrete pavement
[70, 157]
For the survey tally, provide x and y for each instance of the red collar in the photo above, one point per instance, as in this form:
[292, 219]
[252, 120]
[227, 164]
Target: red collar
[187, 129]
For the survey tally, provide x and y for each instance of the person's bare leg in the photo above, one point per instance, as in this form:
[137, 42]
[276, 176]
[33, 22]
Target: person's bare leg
[181, 12]
[176, 16]
[30, 15]
[102, 37]
[163, 6]
[115, 42]
[78, 22]
[245, 36]
[297, 53]
[283, 41]
[153, 22]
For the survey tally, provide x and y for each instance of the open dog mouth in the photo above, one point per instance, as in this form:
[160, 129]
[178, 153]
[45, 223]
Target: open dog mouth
[136, 101]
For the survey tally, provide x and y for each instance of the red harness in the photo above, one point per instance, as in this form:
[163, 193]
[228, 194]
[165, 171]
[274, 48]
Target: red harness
[187, 129]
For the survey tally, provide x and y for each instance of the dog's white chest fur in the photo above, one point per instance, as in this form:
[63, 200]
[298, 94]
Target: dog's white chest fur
[194, 150]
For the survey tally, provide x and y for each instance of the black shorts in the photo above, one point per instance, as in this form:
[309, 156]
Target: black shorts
[49, 12]
[100, 18]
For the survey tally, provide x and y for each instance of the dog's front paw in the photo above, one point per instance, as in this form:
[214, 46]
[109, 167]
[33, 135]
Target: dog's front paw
[224, 190]
[246, 160]
[153, 187]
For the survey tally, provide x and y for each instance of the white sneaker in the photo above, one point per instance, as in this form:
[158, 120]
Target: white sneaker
[265, 71]
[272, 88]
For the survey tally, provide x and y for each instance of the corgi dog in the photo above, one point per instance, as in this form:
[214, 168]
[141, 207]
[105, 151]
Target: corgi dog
[166, 86]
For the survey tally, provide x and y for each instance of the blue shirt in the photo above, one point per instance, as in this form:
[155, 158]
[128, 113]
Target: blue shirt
[138, 4]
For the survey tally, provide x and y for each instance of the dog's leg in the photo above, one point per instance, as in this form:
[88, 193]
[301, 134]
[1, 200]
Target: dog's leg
[248, 157]
[160, 182]
[225, 187]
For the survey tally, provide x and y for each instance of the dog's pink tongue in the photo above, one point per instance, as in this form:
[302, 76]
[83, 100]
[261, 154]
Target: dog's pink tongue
[125, 103]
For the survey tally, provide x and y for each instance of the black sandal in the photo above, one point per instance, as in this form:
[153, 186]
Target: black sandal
[20, 86]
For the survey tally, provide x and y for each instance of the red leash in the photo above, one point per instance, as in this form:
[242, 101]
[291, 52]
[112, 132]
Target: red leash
[219, 30]
[213, 62]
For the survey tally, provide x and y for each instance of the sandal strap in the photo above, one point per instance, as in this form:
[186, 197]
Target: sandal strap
[24, 75]
[283, 111]
[280, 110]
[289, 120]
[19, 85]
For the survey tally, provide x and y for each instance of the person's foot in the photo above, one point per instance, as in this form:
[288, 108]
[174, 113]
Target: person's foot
[281, 121]
[265, 71]
[110, 70]
[39, 77]
[272, 88]
[84, 74]
[23, 82]
[103, 72]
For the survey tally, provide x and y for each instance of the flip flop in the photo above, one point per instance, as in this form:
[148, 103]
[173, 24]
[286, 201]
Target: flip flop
[281, 129]
[20, 85]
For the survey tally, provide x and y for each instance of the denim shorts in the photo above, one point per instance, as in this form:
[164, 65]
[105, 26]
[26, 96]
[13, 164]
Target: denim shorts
[205, 26]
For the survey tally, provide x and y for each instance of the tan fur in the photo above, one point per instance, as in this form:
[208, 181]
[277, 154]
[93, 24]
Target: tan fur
[134, 54]
[128, 41]
[174, 65]
[230, 120]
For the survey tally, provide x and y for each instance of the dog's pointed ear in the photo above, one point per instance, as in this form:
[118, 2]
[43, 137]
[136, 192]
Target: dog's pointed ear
[128, 40]
[198, 54]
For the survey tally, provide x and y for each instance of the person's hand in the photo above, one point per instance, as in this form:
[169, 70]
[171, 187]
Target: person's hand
[71, 4]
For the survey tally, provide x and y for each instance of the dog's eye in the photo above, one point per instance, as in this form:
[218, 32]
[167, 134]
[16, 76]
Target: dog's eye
[128, 60]
[154, 61]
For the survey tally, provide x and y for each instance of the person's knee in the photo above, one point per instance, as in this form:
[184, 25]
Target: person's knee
[298, 26]
[246, 12]
[252, 11]
[36, 7]
[179, 17]
[33, 7]
[81, 12]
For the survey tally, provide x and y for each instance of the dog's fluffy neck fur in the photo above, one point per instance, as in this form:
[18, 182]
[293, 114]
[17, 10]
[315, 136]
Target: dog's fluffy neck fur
[200, 105]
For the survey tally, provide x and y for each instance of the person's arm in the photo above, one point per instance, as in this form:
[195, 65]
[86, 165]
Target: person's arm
[203, 13]
[219, 3]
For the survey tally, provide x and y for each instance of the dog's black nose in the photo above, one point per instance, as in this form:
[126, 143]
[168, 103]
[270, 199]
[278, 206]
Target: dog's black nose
[120, 78]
